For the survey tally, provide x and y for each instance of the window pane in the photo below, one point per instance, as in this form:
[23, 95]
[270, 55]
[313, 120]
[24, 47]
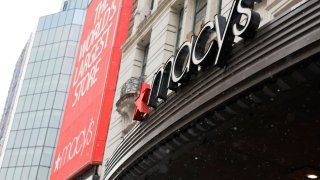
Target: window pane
[38, 119]
[23, 121]
[44, 37]
[62, 48]
[42, 101]
[74, 32]
[17, 173]
[78, 16]
[29, 156]
[37, 156]
[12, 138]
[45, 118]
[33, 172]
[22, 156]
[71, 49]
[67, 66]
[37, 38]
[14, 157]
[63, 83]
[46, 84]
[59, 100]
[54, 82]
[47, 51]
[35, 102]
[20, 103]
[40, 53]
[57, 66]
[51, 137]
[41, 23]
[51, 65]
[62, 18]
[26, 138]
[65, 34]
[69, 17]
[25, 172]
[34, 137]
[6, 159]
[36, 69]
[78, 6]
[27, 104]
[16, 121]
[32, 86]
[46, 156]
[55, 118]
[55, 50]
[43, 68]
[41, 137]
[3, 172]
[24, 87]
[29, 71]
[39, 85]
[43, 173]
[50, 100]
[18, 140]
[55, 19]
[47, 22]
[10, 173]
[33, 54]
[30, 121]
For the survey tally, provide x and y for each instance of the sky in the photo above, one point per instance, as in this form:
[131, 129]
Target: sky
[18, 20]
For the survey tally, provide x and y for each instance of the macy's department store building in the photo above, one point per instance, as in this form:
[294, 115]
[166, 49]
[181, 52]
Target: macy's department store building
[218, 109]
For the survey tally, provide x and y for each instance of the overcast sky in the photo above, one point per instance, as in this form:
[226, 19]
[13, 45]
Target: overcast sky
[18, 20]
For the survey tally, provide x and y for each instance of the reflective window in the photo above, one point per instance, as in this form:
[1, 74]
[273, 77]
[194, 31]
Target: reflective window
[41, 137]
[72, 4]
[39, 85]
[51, 65]
[85, 3]
[43, 67]
[55, 50]
[10, 173]
[59, 100]
[32, 86]
[20, 103]
[47, 22]
[42, 101]
[11, 139]
[3, 172]
[50, 100]
[45, 118]
[34, 137]
[63, 83]
[57, 66]
[35, 101]
[17, 173]
[29, 71]
[37, 156]
[43, 173]
[75, 32]
[30, 121]
[47, 51]
[27, 104]
[29, 156]
[22, 156]
[33, 54]
[55, 118]
[78, 5]
[55, 19]
[71, 49]
[36, 69]
[24, 87]
[23, 120]
[69, 17]
[51, 137]
[46, 84]
[14, 158]
[41, 23]
[25, 172]
[33, 172]
[44, 37]
[62, 18]
[18, 140]
[78, 16]
[16, 121]
[67, 66]
[57, 37]
[40, 53]
[65, 33]
[6, 159]
[54, 82]
[51, 34]
[38, 119]
[37, 38]
[62, 48]
[26, 138]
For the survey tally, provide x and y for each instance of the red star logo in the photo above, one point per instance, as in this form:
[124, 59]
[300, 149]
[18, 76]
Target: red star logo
[141, 102]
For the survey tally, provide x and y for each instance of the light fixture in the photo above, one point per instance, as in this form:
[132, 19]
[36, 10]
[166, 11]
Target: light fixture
[312, 176]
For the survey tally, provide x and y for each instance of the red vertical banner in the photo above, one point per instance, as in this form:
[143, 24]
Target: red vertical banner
[86, 118]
